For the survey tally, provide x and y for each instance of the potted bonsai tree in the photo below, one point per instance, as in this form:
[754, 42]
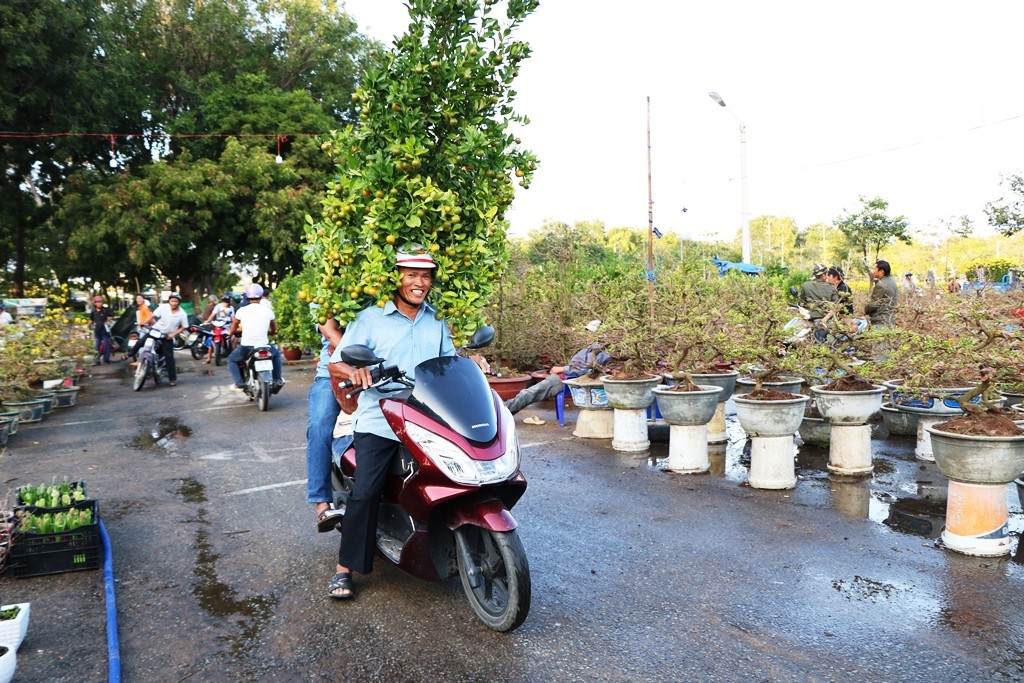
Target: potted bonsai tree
[634, 339]
[296, 326]
[769, 414]
[432, 161]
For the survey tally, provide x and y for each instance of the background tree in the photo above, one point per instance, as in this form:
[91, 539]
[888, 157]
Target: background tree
[871, 228]
[1007, 214]
[185, 74]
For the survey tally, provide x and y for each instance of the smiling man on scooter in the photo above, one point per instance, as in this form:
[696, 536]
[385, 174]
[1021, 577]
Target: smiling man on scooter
[406, 332]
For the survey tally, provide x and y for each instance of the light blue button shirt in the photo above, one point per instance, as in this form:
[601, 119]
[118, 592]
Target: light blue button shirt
[399, 341]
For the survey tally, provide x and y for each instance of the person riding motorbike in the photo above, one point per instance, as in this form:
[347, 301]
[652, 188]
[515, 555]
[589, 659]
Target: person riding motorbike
[406, 332]
[221, 315]
[170, 319]
[257, 323]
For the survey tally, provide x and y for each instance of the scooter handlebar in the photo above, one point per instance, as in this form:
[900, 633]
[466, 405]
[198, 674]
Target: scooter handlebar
[379, 375]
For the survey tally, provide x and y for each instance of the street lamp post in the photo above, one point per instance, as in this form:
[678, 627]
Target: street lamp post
[745, 228]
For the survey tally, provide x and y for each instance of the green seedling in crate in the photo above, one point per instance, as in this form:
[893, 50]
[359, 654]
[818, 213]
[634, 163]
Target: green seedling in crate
[52, 495]
[48, 522]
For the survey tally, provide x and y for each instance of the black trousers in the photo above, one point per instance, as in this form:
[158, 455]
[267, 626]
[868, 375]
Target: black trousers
[359, 533]
[167, 351]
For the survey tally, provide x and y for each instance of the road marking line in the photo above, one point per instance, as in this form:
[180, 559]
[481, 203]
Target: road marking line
[267, 487]
[545, 443]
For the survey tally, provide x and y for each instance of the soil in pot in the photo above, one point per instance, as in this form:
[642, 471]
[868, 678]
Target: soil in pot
[763, 394]
[991, 423]
[849, 384]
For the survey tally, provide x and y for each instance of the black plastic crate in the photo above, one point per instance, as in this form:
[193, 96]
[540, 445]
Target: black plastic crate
[57, 552]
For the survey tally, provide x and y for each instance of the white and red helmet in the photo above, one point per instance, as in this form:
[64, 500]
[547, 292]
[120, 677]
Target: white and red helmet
[414, 256]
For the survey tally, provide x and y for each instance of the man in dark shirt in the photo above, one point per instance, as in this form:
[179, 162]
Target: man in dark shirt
[885, 294]
[99, 316]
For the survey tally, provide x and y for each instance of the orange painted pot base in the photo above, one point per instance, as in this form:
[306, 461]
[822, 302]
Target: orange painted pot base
[976, 519]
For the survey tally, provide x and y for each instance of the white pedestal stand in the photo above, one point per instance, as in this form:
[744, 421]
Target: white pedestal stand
[630, 430]
[716, 428]
[772, 465]
[923, 450]
[594, 424]
[849, 450]
[688, 449]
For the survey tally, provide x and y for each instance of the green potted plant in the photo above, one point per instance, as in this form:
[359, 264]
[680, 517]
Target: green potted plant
[296, 326]
[432, 161]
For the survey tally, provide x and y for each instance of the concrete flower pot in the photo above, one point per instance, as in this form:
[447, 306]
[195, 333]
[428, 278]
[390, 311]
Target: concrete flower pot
[790, 385]
[688, 414]
[630, 399]
[847, 407]
[771, 426]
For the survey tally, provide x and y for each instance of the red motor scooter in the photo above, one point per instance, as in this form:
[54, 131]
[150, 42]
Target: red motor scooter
[445, 506]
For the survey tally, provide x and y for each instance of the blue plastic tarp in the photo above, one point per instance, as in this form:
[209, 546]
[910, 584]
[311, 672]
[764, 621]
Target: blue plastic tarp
[725, 266]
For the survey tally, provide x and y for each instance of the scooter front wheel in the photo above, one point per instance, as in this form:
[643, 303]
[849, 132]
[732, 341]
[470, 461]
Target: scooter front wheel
[141, 371]
[495, 575]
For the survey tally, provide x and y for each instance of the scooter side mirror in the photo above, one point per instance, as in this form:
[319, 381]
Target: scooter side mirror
[481, 338]
[360, 356]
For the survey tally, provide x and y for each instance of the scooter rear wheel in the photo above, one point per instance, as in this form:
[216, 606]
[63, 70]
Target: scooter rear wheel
[495, 575]
[198, 350]
[263, 394]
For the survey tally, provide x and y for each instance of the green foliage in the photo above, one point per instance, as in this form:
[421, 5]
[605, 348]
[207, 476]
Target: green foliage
[871, 228]
[52, 495]
[1007, 214]
[275, 66]
[430, 162]
[296, 325]
[995, 267]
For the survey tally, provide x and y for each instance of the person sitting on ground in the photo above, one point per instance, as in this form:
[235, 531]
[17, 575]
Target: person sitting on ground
[835, 277]
[816, 294]
[582, 362]
[5, 317]
[257, 323]
[881, 306]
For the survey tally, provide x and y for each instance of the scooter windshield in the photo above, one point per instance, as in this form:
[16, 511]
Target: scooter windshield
[455, 391]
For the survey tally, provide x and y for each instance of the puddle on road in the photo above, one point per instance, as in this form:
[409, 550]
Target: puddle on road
[220, 600]
[902, 495]
[168, 434]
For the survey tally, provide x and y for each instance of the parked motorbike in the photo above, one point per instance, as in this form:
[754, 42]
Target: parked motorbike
[445, 506]
[221, 347]
[838, 334]
[199, 340]
[151, 362]
[257, 373]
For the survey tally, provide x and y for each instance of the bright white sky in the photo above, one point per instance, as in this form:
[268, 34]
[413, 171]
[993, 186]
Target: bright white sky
[919, 102]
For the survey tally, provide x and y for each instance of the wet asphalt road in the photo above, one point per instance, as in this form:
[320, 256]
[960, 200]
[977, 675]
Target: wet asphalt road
[637, 574]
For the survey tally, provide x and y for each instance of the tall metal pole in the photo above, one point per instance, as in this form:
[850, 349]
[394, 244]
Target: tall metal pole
[745, 230]
[650, 216]
[745, 227]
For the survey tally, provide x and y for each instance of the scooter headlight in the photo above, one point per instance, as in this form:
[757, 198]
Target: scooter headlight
[457, 464]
